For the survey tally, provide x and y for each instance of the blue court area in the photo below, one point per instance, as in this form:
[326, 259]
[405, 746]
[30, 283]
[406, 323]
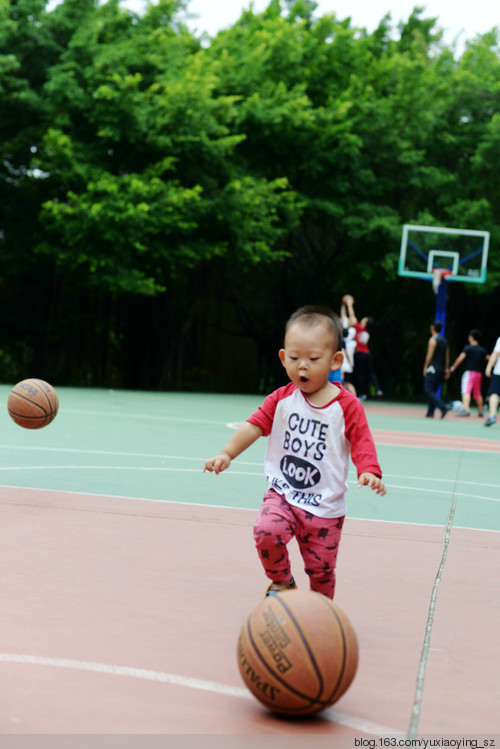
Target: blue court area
[153, 446]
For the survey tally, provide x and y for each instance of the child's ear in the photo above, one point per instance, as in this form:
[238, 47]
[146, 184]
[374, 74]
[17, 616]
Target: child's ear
[337, 360]
[281, 355]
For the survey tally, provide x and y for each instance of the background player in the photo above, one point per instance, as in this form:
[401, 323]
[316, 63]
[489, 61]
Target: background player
[475, 358]
[493, 371]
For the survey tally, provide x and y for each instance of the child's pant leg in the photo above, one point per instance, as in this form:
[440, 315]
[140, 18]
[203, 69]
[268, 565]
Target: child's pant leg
[319, 540]
[273, 529]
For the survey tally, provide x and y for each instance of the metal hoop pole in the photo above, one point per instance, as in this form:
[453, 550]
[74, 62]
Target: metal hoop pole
[441, 304]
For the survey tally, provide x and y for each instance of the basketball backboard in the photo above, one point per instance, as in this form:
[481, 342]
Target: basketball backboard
[462, 252]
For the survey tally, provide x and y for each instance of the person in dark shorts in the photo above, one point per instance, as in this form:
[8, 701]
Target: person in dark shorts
[493, 371]
[436, 369]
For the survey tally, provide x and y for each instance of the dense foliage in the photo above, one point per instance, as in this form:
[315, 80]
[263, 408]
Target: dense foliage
[167, 200]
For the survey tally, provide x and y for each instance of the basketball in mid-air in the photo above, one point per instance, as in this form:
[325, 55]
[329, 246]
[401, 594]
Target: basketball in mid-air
[33, 403]
[297, 652]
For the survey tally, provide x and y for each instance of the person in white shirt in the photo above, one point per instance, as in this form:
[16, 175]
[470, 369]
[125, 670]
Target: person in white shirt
[493, 370]
[315, 427]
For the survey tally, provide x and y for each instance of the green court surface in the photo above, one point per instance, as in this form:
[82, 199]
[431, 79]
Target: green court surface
[152, 446]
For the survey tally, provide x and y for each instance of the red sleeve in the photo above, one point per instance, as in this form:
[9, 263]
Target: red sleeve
[358, 329]
[363, 450]
[264, 416]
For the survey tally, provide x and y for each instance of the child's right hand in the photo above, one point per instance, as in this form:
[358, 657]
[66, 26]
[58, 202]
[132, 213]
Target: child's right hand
[245, 435]
[217, 464]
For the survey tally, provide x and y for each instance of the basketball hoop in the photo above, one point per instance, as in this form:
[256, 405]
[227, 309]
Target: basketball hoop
[439, 275]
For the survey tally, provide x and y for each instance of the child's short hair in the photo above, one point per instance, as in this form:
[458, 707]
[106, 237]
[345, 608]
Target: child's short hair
[437, 325]
[312, 314]
[476, 334]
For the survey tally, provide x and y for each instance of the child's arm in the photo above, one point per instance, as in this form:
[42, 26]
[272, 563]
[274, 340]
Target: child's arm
[363, 451]
[244, 436]
[369, 479]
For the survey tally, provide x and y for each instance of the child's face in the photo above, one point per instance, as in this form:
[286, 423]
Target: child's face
[308, 356]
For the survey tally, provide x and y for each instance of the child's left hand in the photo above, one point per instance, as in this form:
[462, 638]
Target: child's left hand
[369, 479]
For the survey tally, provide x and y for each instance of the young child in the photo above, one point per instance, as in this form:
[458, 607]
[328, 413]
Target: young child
[314, 427]
[476, 358]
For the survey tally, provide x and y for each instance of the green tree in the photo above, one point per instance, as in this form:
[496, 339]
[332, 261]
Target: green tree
[368, 129]
[141, 158]
[132, 167]
[155, 188]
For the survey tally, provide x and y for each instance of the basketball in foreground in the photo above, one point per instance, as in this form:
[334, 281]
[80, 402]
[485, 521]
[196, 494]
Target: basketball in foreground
[297, 652]
[33, 403]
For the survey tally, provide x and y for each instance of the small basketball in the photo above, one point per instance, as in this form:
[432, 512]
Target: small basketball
[297, 652]
[33, 403]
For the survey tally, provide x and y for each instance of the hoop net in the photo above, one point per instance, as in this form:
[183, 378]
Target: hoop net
[439, 275]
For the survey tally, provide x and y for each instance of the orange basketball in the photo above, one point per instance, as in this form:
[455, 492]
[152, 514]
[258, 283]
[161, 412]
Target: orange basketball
[33, 403]
[297, 652]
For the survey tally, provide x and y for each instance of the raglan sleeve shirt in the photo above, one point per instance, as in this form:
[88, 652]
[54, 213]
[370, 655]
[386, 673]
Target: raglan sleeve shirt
[310, 448]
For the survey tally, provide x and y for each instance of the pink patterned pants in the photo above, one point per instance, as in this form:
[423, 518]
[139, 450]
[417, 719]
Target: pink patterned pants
[318, 540]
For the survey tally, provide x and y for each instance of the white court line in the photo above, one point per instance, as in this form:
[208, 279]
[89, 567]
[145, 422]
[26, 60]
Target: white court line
[146, 417]
[160, 469]
[105, 468]
[442, 491]
[437, 480]
[350, 721]
[165, 469]
[454, 448]
[203, 505]
[78, 451]
[200, 461]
